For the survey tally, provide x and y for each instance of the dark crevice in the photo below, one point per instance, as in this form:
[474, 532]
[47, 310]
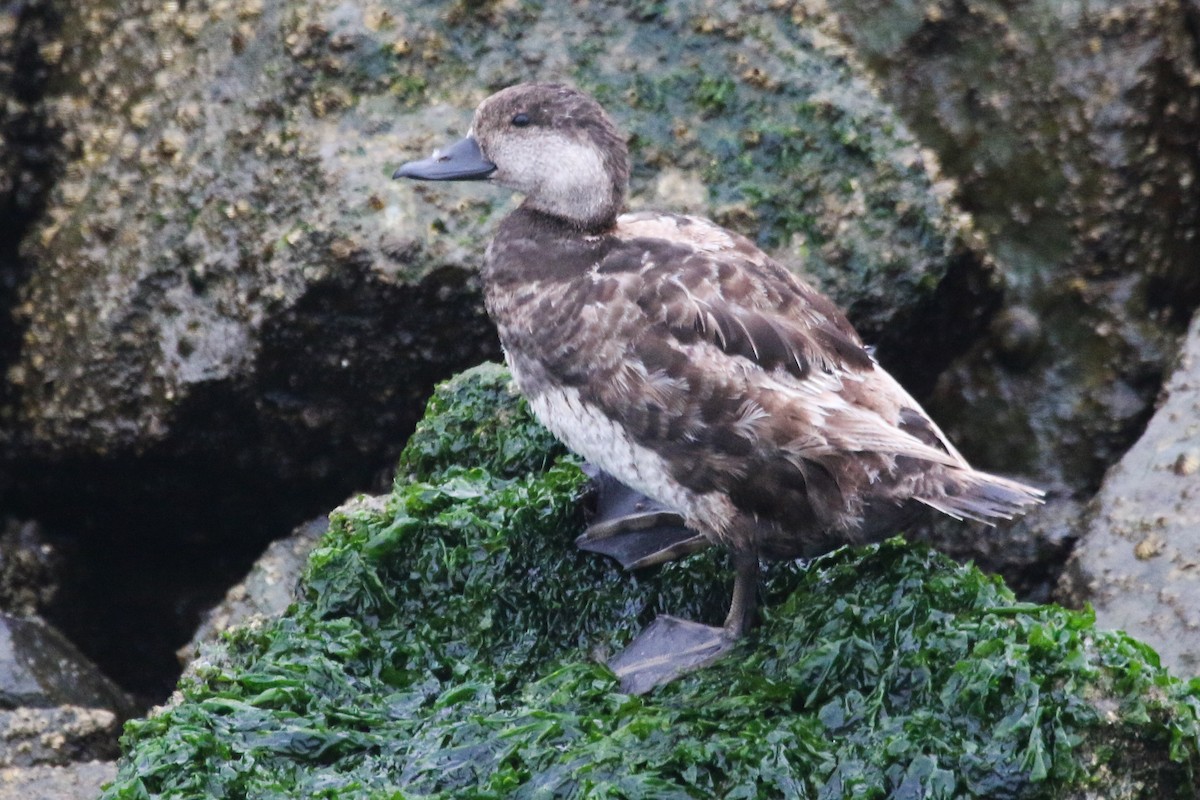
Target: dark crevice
[942, 328]
[152, 539]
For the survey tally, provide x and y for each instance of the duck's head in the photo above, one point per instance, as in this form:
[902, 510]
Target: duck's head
[550, 142]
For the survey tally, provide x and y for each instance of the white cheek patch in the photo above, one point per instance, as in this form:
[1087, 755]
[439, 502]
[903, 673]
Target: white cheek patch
[559, 175]
[571, 168]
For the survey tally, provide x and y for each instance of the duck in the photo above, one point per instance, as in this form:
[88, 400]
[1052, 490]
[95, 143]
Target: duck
[716, 387]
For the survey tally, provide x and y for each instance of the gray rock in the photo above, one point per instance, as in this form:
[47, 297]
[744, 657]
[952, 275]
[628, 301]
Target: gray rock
[80, 781]
[57, 736]
[39, 668]
[229, 236]
[1138, 562]
[56, 708]
[213, 232]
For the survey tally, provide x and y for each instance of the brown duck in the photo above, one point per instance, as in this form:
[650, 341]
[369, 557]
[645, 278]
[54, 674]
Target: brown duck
[679, 358]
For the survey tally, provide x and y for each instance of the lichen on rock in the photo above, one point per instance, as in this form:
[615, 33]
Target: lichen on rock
[446, 644]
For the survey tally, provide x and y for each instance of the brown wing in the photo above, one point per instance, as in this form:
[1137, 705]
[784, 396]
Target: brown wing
[744, 379]
[703, 282]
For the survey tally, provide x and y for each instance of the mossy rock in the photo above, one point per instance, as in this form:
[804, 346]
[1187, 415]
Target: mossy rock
[228, 216]
[446, 638]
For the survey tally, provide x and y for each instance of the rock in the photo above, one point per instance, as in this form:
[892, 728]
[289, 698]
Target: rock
[1138, 558]
[80, 781]
[56, 709]
[31, 155]
[455, 617]
[57, 736]
[39, 668]
[1070, 130]
[266, 591]
[229, 237]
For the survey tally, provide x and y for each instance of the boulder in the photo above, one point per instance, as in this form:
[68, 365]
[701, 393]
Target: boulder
[57, 711]
[39, 668]
[1138, 562]
[226, 263]
[1071, 131]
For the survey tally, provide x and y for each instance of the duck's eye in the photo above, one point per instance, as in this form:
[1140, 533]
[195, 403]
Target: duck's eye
[520, 120]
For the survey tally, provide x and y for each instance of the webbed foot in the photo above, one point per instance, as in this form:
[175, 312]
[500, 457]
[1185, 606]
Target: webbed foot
[671, 646]
[634, 529]
[668, 648]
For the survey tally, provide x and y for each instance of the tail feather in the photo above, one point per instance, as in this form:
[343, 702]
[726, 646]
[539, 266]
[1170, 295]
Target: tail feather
[983, 497]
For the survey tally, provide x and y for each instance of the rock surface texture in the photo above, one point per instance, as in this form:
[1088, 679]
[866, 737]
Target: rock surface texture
[77, 782]
[226, 236]
[1138, 563]
[1071, 130]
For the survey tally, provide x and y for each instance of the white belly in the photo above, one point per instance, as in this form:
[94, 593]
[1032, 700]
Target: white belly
[590, 433]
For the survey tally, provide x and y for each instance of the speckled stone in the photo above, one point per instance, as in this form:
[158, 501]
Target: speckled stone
[1138, 563]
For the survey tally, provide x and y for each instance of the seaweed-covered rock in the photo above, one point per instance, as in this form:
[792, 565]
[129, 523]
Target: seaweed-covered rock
[445, 645]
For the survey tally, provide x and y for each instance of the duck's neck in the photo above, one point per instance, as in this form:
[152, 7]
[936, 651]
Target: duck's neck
[583, 216]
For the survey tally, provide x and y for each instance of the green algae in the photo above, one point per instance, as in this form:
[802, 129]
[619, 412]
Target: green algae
[444, 645]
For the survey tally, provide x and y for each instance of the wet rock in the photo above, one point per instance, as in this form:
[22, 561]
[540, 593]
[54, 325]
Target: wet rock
[1138, 561]
[1071, 131]
[80, 781]
[39, 668]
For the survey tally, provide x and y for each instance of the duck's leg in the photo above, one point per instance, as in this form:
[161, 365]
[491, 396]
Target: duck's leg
[670, 646]
[632, 528]
[745, 594]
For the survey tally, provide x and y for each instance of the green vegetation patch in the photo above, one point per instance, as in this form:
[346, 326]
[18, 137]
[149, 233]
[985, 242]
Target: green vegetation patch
[446, 638]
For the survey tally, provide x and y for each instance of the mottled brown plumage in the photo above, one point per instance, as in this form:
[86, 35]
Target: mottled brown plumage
[680, 358]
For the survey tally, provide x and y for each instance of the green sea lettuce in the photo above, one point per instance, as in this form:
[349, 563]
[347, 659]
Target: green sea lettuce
[446, 643]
